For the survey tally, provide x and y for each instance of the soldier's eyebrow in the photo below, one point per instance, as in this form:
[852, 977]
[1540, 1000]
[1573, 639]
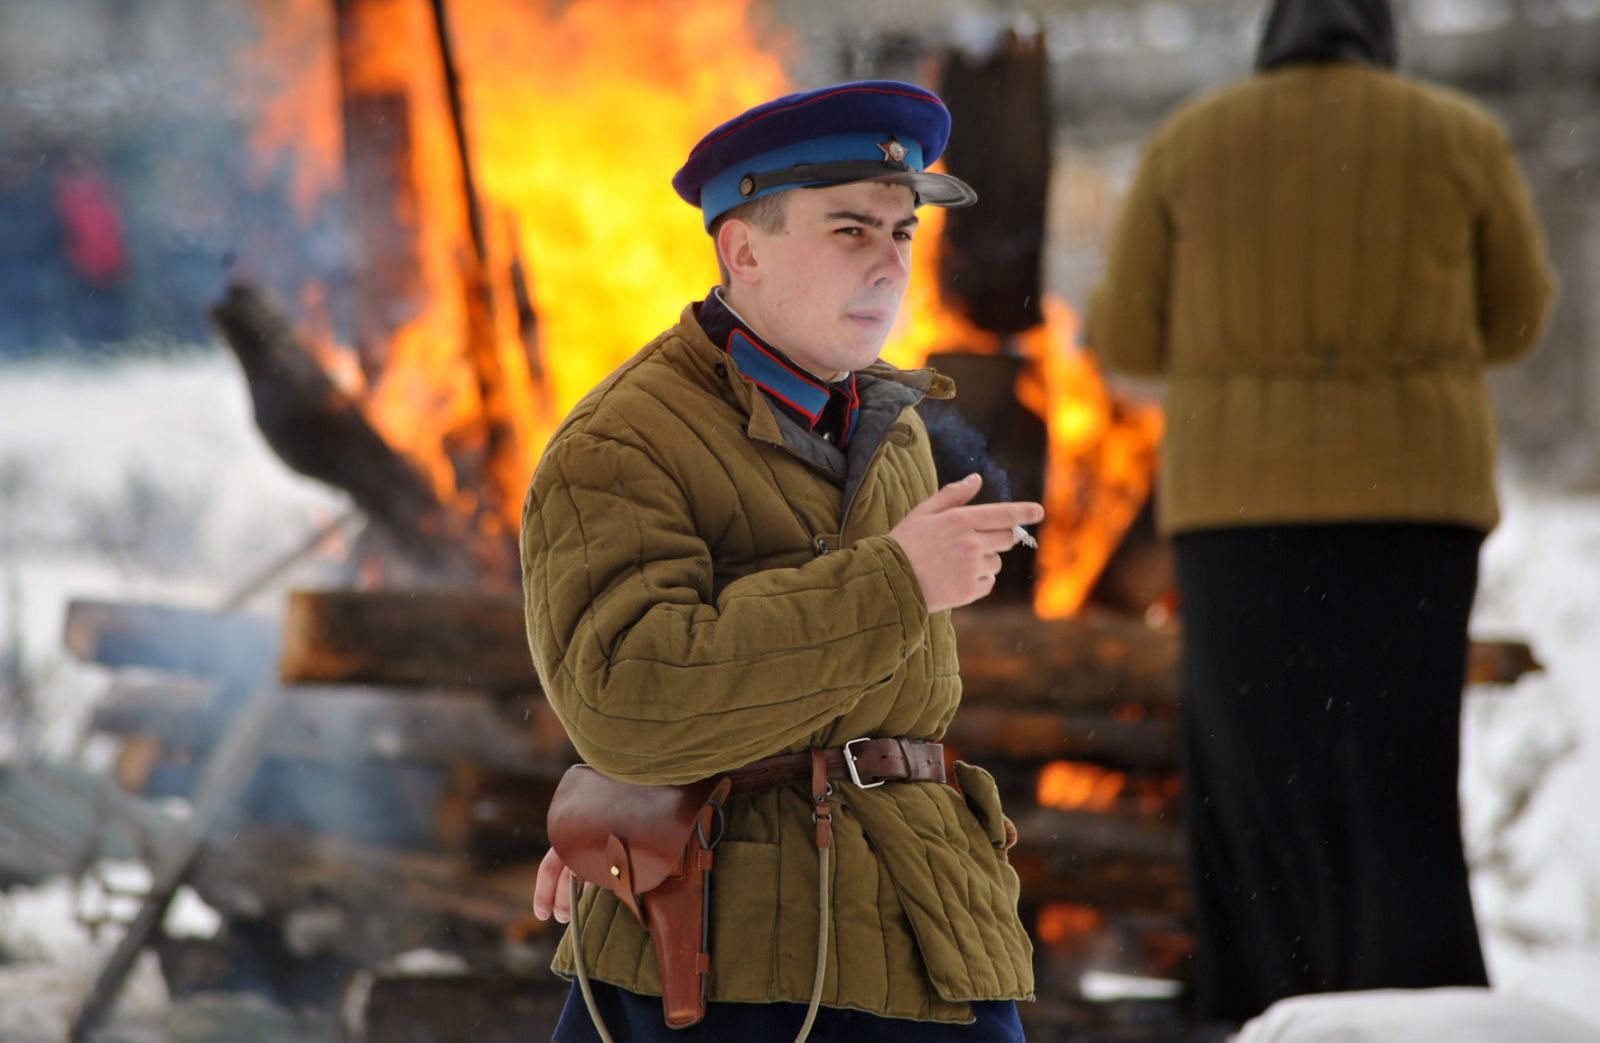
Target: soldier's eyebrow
[869, 220]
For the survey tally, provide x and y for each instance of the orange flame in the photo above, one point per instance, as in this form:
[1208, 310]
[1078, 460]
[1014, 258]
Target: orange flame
[1073, 786]
[1101, 463]
[1101, 454]
[573, 127]
[1060, 921]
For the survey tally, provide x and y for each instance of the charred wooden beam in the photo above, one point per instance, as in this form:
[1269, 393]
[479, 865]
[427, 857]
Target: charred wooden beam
[424, 638]
[321, 432]
[522, 301]
[990, 256]
[501, 451]
[1095, 661]
[380, 182]
[458, 130]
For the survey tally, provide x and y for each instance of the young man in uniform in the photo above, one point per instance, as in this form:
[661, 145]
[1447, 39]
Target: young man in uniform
[734, 551]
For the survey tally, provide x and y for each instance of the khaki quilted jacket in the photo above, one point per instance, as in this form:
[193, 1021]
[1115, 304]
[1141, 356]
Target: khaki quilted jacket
[1321, 261]
[706, 584]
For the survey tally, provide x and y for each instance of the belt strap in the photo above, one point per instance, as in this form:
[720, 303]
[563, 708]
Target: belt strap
[865, 762]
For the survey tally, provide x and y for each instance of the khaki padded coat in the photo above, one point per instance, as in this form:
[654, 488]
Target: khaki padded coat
[707, 584]
[1322, 260]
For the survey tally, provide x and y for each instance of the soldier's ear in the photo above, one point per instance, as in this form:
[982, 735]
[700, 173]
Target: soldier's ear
[736, 245]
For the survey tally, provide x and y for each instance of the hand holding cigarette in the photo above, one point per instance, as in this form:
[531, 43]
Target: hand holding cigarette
[955, 546]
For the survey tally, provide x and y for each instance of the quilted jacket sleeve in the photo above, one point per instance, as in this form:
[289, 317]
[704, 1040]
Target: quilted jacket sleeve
[1128, 316]
[656, 678]
[1514, 281]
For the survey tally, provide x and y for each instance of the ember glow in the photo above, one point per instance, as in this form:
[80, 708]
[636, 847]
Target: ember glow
[1075, 786]
[573, 129]
[1059, 923]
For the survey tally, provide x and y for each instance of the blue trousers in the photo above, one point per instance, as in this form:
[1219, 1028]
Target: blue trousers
[632, 1018]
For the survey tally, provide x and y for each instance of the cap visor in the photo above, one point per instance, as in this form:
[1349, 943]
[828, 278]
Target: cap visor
[936, 189]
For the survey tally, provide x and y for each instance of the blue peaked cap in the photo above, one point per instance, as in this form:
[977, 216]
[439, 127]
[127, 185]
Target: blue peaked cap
[870, 130]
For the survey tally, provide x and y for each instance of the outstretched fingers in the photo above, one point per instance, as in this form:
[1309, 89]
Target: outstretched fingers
[1000, 517]
[950, 496]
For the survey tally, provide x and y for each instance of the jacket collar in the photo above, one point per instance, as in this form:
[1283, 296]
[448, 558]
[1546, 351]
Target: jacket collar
[707, 357]
[803, 396]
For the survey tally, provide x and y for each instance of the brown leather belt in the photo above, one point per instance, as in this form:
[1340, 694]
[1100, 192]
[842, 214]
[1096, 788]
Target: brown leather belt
[864, 762]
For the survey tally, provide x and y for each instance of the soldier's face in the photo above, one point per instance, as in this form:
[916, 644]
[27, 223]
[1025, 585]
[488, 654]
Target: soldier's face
[832, 279]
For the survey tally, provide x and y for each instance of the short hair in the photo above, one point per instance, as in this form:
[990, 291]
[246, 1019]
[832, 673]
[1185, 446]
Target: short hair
[766, 213]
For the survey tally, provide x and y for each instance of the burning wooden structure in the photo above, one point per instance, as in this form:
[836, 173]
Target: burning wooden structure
[394, 796]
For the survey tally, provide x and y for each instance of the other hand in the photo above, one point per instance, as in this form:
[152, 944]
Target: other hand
[552, 889]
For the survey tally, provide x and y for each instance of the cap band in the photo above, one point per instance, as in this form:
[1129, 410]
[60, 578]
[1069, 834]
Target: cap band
[817, 161]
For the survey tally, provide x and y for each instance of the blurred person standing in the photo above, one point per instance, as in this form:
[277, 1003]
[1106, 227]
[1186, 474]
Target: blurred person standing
[1322, 260]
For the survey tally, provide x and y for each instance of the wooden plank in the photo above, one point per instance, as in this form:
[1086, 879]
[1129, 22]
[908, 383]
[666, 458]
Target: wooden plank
[451, 638]
[983, 731]
[1100, 860]
[1095, 661]
[443, 638]
[169, 637]
[1011, 657]
[325, 724]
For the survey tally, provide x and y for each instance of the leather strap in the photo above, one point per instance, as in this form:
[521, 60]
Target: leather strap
[876, 760]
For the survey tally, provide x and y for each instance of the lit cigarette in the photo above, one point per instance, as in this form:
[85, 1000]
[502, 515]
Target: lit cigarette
[1024, 538]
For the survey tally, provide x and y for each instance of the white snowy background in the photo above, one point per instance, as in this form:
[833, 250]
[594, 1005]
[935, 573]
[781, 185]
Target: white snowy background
[147, 479]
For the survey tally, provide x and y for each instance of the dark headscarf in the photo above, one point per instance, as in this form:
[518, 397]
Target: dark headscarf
[1304, 31]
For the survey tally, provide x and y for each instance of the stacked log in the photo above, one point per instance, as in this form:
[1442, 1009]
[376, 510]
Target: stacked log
[422, 710]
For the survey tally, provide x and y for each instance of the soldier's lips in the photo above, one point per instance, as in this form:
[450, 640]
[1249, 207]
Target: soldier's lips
[870, 319]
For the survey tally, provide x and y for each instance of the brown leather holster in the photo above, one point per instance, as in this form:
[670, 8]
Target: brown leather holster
[652, 847]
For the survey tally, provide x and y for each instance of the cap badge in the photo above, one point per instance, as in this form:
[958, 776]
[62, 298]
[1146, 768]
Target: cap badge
[893, 151]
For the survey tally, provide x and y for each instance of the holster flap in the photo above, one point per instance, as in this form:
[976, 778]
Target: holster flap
[654, 824]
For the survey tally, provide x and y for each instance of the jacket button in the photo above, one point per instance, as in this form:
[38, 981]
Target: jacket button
[822, 546]
[722, 371]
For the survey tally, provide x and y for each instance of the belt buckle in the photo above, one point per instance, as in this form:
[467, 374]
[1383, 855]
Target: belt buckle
[850, 765]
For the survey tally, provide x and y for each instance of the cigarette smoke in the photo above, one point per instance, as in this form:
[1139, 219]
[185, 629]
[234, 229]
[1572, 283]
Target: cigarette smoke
[959, 449]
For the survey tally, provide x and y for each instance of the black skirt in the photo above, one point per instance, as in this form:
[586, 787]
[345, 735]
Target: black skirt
[1321, 706]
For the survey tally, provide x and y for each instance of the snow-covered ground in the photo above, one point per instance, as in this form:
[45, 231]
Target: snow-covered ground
[147, 479]
[1531, 755]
